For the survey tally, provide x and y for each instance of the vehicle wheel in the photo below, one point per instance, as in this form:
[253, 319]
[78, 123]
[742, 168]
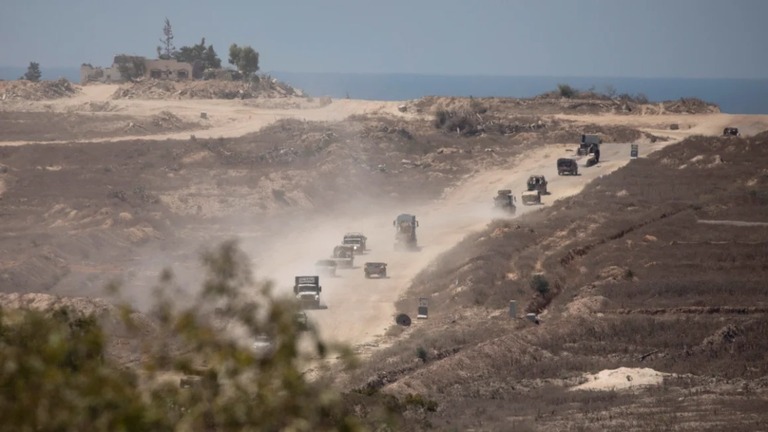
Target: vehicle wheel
[367, 276]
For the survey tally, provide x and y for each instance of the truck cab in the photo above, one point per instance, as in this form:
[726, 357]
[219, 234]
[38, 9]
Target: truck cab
[356, 240]
[307, 290]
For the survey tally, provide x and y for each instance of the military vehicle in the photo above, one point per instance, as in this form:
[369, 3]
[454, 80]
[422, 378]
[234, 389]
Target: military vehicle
[375, 269]
[405, 232]
[567, 166]
[344, 256]
[537, 182]
[326, 267]
[531, 197]
[356, 240]
[307, 290]
[590, 147]
[505, 200]
[731, 131]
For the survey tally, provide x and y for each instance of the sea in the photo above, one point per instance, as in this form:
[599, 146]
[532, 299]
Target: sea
[734, 96]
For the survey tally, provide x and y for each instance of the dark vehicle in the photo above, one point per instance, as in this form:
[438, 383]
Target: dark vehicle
[375, 269]
[356, 240]
[537, 182]
[567, 166]
[731, 131]
[344, 256]
[505, 200]
[405, 231]
[307, 290]
[590, 147]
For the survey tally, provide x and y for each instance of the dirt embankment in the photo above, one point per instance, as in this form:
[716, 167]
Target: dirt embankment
[628, 243]
[263, 87]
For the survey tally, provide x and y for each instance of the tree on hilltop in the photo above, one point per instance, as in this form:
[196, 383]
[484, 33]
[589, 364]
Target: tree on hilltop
[245, 59]
[199, 52]
[167, 50]
[33, 72]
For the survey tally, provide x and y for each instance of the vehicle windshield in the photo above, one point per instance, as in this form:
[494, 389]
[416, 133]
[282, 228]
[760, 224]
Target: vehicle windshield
[351, 241]
[307, 289]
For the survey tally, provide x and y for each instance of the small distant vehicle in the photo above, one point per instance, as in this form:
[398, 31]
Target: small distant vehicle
[378, 269]
[590, 147]
[731, 131]
[302, 321]
[326, 267]
[537, 182]
[344, 256]
[405, 232]
[505, 200]
[567, 166]
[307, 290]
[357, 241]
[531, 197]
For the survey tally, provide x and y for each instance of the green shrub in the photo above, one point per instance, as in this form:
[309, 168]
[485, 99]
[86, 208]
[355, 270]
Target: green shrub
[567, 91]
[540, 284]
[54, 374]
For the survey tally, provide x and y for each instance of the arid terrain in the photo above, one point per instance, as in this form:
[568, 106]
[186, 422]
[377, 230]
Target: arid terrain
[647, 275]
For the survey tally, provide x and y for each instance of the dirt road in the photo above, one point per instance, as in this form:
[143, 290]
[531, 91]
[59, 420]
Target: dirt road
[359, 310]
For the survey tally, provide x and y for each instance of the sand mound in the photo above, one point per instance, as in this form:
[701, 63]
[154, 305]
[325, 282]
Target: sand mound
[622, 379]
[43, 90]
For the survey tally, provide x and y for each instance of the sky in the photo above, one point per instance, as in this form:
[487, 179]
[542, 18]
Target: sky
[590, 38]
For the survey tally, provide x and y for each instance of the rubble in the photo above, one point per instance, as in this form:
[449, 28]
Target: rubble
[43, 90]
[264, 87]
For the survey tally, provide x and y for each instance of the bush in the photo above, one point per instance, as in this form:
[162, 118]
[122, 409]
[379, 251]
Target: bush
[567, 91]
[421, 353]
[540, 284]
[54, 374]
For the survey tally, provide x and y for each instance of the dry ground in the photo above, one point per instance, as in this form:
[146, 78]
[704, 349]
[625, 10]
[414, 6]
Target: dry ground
[85, 199]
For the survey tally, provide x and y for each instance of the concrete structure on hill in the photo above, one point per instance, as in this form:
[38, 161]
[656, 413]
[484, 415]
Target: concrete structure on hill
[138, 68]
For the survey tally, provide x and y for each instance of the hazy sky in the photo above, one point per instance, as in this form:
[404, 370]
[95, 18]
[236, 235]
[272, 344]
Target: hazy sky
[605, 38]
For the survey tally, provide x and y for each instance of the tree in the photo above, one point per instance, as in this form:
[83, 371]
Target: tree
[167, 49]
[130, 67]
[245, 59]
[199, 52]
[33, 72]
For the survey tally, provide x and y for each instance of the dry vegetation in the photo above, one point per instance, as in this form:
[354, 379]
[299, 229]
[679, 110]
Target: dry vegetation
[634, 281]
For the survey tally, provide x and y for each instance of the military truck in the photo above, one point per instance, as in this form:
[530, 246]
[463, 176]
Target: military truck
[531, 197]
[567, 166]
[537, 182]
[326, 267]
[356, 240]
[378, 269]
[590, 147]
[405, 232]
[505, 200]
[307, 290]
[731, 131]
[344, 256]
